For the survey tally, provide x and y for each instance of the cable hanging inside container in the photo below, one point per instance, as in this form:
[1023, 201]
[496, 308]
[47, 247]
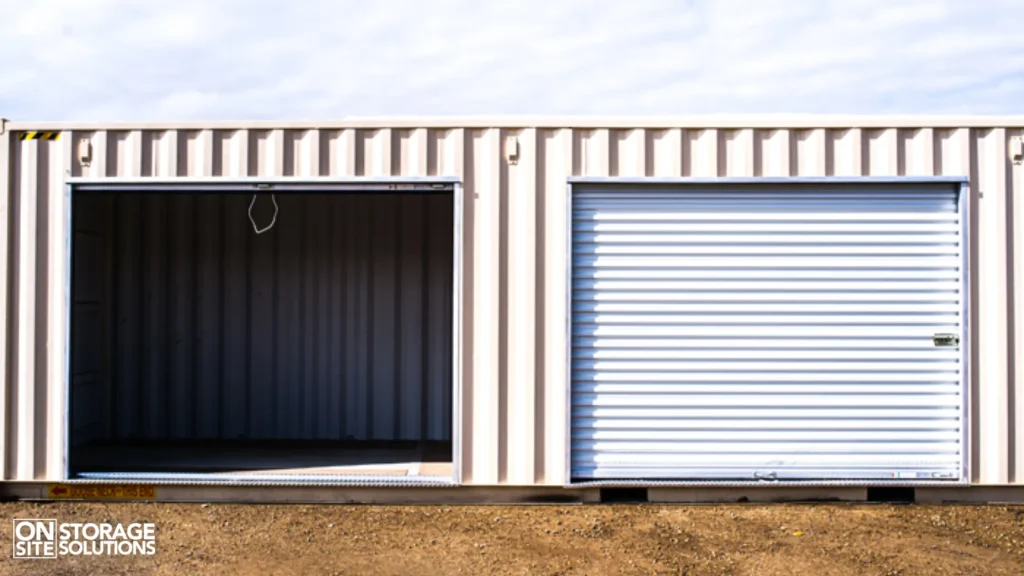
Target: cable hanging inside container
[273, 220]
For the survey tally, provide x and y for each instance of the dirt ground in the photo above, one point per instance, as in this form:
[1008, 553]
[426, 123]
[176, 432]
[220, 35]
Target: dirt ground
[197, 539]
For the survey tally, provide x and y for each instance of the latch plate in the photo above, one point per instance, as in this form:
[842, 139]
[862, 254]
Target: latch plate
[512, 150]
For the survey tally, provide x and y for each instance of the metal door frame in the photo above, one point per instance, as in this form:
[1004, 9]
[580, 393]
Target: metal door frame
[287, 184]
[961, 184]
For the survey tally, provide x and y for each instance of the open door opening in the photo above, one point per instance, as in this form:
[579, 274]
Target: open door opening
[286, 335]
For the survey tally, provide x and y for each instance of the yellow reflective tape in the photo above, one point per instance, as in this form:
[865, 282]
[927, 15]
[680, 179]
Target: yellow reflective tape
[103, 491]
[51, 136]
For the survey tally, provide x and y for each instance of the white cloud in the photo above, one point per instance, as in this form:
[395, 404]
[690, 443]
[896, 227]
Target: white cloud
[262, 59]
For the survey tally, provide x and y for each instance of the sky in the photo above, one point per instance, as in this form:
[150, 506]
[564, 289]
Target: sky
[153, 60]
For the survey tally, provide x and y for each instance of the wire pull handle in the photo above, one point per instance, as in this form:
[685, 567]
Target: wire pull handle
[273, 220]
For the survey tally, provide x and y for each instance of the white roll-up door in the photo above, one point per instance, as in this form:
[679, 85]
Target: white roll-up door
[794, 331]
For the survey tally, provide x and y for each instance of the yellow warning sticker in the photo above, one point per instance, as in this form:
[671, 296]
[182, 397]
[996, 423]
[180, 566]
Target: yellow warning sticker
[40, 136]
[103, 491]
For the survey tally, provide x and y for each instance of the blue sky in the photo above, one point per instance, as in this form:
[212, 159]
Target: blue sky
[109, 60]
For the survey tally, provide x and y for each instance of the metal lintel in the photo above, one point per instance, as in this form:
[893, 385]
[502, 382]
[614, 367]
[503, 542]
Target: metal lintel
[186, 180]
[770, 180]
[266, 184]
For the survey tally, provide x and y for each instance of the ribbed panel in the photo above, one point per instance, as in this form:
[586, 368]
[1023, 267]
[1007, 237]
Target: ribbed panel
[335, 324]
[766, 332]
[514, 426]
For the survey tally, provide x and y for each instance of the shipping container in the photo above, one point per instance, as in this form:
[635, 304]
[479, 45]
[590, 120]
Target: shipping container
[817, 304]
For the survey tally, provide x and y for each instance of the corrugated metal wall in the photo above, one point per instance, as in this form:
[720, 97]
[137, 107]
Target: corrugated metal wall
[334, 324]
[514, 322]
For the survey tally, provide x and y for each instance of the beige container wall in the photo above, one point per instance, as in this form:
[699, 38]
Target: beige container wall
[514, 321]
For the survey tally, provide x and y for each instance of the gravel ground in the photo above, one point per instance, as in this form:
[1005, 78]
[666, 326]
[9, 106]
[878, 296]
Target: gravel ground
[609, 539]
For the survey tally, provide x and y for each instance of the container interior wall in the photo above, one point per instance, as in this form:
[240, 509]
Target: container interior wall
[91, 320]
[333, 325]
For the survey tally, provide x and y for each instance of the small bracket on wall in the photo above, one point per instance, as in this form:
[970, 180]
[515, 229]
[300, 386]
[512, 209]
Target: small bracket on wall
[3, 125]
[512, 150]
[85, 152]
[1017, 150]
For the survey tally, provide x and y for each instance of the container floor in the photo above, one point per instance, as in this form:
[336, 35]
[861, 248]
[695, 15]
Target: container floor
[261, 457]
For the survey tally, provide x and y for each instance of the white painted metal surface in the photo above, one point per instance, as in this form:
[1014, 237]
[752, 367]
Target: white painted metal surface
[767, 331]
[513, 336]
